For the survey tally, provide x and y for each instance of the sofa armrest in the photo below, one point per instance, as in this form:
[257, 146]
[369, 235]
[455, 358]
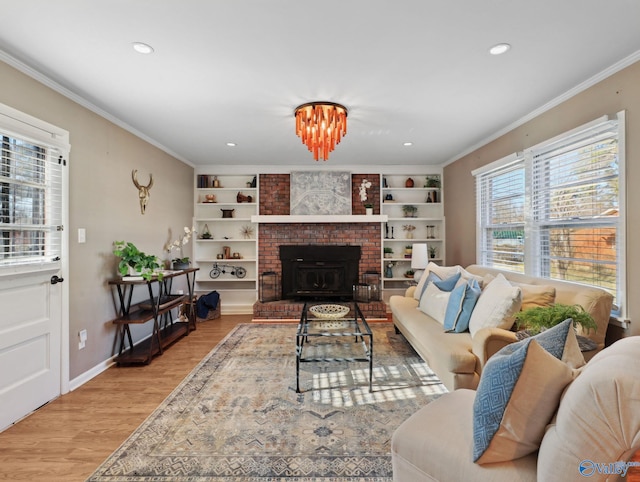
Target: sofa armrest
[488, 341]
[410, 291]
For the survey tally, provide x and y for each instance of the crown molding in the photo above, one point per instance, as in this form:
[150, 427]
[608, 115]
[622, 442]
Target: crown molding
[590, 82]
[53, 85]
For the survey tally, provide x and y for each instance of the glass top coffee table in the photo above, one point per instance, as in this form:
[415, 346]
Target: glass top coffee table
[323, 336]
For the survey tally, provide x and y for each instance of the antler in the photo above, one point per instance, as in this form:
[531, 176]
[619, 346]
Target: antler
[134, 176]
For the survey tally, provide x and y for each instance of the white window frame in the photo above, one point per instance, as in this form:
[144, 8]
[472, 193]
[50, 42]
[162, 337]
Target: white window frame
[16, 124]
[531, 265]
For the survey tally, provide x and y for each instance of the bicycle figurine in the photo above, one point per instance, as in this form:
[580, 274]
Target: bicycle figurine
[218, 269]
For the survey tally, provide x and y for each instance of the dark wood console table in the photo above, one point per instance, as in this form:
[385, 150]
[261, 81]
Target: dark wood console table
[156, 308]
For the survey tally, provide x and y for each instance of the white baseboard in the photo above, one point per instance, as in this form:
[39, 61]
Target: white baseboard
[89, 374]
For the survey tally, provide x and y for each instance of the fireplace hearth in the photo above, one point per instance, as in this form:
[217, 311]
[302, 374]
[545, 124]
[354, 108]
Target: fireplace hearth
[319, 271]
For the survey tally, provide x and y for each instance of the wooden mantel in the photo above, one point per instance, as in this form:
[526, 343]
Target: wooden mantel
[313, 218]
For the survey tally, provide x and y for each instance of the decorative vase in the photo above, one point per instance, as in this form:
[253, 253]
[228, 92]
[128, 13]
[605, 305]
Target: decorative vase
[408, 182]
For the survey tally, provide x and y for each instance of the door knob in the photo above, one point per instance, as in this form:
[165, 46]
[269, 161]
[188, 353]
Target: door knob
[56, 280]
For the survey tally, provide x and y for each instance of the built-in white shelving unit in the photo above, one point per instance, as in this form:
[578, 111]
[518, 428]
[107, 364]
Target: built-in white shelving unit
[236, 276]
[420, 206]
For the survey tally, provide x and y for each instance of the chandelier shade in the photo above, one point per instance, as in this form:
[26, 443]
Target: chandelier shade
[321, 125]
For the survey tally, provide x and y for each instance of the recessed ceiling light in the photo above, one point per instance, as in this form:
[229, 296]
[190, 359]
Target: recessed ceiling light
[499, 49]
[142, 48]
[407, 144]
[231, 144]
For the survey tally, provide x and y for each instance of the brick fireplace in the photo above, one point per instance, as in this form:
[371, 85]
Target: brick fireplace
[274, 200]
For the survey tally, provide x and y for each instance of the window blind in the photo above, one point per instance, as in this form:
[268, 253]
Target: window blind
[31, 183]
[500, 197]
[575, 209]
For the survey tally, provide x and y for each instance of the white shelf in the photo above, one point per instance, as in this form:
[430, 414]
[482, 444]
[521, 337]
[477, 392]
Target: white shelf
[228, 240]
[226, 261]
[347, 218]
[226, 204]
[234, 189]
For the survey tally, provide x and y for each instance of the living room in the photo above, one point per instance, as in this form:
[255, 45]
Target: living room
[104, 202]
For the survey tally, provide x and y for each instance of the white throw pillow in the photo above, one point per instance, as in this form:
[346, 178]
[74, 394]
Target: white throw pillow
[497, 306]
[443, 272]
[434, 302]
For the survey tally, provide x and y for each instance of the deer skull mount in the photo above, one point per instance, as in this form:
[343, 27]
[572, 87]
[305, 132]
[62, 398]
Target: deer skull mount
[143, 191]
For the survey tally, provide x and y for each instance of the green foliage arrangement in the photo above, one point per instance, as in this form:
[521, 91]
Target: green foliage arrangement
[535, 320]
[130, 255]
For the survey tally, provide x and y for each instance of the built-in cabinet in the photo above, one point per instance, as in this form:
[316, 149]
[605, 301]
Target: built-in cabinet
[414, 206]
[226, 248]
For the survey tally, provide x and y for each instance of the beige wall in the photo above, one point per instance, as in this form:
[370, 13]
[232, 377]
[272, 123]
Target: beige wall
[104, 201]
[618, 92]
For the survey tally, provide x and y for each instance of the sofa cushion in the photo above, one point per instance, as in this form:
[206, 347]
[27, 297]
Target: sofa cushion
[435, 443]
[460, 307]
[536, 295]
[598, 420]
[497, 306]
[434, 302]
[518, 393]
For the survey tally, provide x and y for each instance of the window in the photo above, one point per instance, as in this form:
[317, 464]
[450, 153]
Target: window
[31, 180]
[501, 233]
[556, 210]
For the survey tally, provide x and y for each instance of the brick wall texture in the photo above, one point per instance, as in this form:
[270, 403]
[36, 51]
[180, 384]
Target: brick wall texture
[274, 200]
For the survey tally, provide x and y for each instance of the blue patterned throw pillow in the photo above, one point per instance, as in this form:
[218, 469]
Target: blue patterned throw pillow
[518, 394]
[461, 303]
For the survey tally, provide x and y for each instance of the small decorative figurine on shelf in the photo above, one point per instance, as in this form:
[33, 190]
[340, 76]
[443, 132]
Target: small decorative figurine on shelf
[206, 234]
[408, 182]
[388, 271]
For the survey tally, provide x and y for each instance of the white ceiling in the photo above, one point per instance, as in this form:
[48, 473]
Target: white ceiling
[234, 70]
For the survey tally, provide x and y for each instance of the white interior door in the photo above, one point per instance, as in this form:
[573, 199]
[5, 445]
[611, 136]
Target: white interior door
[34, 249]
[30, 342]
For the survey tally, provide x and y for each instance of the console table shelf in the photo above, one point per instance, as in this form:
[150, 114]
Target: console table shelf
[156, 308]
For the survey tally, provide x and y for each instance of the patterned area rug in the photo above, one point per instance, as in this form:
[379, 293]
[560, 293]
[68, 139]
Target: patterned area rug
[237, 416]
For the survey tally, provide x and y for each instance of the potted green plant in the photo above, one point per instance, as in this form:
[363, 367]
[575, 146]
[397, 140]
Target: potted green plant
[388, 252]
[368, 209]
[409, 273]
[432, 181]
[134, 261]
[538, 319]
[409, 211]
[432, 252]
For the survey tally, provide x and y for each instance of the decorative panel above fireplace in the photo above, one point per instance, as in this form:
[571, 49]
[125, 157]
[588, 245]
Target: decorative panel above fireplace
[319, 271]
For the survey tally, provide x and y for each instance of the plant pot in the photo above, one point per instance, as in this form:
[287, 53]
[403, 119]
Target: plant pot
[369, 211]
[179, 265]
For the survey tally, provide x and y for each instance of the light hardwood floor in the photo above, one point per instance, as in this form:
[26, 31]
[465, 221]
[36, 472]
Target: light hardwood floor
[70, 437]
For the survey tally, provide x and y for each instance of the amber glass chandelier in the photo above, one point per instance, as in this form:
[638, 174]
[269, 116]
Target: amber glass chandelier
[321, 125]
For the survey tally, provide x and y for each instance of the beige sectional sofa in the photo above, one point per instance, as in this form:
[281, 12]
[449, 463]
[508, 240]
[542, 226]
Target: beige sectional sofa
[458, 358]
[595, 430]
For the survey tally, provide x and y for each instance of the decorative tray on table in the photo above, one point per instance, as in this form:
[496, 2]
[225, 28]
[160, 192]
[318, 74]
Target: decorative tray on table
[330, 315]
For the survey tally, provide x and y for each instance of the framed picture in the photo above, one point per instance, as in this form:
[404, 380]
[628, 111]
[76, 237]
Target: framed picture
[320, 192]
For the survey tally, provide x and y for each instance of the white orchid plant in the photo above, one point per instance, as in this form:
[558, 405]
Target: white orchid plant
[364, 185]
[179, 243]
